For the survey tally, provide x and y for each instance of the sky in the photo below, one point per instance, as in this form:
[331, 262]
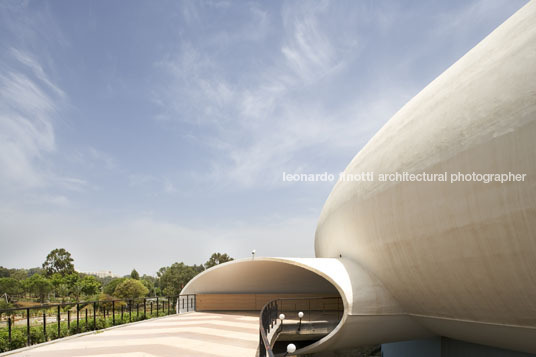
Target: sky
[142, 133]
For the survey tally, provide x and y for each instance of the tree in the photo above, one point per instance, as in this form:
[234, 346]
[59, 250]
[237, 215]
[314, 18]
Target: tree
[73, 286]
[109, 288]
[217, 258]
[60, 286]
[40, 286]
[4, 272]
[89, 285]
[10, 286]
[134, 274]
[18, 274]
[58, 261]
[130, 289]
[36, 270]
[174, 277]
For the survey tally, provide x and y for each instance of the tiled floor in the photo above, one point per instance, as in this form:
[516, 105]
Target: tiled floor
[192, 334]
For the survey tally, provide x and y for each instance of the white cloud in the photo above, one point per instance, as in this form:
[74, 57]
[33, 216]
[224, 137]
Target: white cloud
[36, 68]
[285, 112]
[261, 122]
[26, 128]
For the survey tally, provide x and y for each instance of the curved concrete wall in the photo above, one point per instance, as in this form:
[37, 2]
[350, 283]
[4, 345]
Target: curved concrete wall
[459, 258]
[431, 258]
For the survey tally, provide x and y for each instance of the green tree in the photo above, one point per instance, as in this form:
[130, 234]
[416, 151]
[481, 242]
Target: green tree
[4, 272]
[19, 274]
[73, 286]
[58, 261]
[60, 286]
[109, 288]
[135, 275]
[175, 277]
[130, 289]
[36, 270]
[40, 286]
[89, 285]
[149, 285]
[217, 258]
[10, 286]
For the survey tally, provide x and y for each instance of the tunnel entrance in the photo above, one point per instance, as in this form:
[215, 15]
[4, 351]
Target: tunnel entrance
[292, 287]
[248, 285]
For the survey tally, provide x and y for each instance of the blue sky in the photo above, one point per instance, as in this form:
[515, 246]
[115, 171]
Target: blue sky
[140, 133]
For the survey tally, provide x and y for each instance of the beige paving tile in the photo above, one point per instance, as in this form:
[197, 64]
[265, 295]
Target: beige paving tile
[194, 334]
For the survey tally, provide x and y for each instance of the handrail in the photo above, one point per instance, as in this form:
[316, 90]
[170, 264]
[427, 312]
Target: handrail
[270, 313]
[92, 311]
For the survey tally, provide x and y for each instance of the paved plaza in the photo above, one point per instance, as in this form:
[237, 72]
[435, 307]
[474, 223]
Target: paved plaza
[191, 334]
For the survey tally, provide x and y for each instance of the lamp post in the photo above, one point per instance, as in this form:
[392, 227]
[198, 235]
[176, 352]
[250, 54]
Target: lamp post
[300, 315]
[253, 254]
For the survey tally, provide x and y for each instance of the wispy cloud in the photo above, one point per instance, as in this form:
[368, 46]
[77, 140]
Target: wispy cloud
[261, 121]
[37, 70]
[27, 109]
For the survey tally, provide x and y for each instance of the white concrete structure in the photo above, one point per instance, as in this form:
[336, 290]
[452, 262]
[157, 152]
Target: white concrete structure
[416, 259]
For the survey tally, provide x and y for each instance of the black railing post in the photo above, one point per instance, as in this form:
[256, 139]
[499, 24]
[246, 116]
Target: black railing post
[130, 310]
[156, 307]
[168, 305]
[187, 302]
[94, 316]
[77, 318]
[144, 308]
[151, 309]
[28, 326]
[113, 312]
[45, 325]
[9, 329]
[137, 310]
[58, 319]
[122, 309]
[69, 321]
[86, 319]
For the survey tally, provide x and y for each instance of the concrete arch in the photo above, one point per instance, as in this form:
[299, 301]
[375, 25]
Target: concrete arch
[366, 301]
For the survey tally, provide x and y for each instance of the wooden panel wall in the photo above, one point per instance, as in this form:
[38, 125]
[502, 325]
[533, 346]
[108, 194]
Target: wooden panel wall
[255, 302]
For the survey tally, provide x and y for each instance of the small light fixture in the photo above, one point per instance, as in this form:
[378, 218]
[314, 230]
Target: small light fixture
[300, 315]
[253, 254]
[291, 348]
[281, 317]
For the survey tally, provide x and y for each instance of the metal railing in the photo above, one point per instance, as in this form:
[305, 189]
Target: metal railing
[312, 308]
[186, 303]
[31, 322]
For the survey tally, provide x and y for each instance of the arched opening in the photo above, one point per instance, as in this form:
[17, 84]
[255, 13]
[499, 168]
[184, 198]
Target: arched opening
[293, 284]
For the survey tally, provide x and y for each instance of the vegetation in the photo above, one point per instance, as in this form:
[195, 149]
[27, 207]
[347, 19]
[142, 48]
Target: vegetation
[58, 281]
[173, 278]
[217, 258]
[58, 261]
[37, 333]
[131, 289]
[135, 275]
